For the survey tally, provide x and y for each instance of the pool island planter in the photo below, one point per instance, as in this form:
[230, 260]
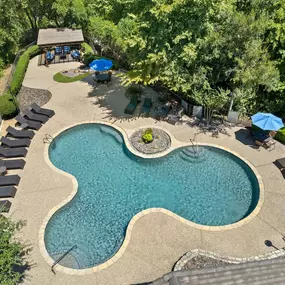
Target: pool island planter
[174, 145]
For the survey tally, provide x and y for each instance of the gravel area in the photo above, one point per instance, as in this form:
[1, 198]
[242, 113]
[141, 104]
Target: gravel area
[200, 261]
[28, 96]
[160, 143]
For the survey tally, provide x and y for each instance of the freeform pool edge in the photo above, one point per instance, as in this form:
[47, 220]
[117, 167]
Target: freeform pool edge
[174, 145]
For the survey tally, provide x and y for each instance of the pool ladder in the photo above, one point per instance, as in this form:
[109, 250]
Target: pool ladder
[62, 257]
[195, 146]
[48, 138]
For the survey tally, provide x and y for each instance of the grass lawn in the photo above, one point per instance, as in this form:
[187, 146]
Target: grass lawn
[58, 77]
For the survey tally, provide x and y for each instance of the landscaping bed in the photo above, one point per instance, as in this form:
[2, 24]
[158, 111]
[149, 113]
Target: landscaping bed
[152, 142]
[69, 76]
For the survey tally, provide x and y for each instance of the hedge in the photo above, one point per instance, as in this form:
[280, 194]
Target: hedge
[280, 136]
[21, 68]
[8, 106]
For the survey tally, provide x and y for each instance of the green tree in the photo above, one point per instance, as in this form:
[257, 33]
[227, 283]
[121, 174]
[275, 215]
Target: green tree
[12, 252]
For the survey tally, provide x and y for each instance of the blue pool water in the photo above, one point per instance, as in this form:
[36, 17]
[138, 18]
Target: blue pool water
[114, 185]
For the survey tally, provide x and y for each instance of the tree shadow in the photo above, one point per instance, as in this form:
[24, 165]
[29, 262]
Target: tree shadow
[215, 128]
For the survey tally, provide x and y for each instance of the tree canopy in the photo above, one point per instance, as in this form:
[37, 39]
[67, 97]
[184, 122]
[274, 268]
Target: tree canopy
[188, 46]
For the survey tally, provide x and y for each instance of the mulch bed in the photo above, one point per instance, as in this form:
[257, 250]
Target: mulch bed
[200, 261]
[28, 96]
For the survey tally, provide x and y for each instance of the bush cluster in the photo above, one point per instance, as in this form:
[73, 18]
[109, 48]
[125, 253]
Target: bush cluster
[147, 136]
[21, 68]
[280, 136]
[8, 106]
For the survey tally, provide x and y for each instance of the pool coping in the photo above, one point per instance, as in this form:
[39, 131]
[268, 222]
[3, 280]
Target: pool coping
[175, 144]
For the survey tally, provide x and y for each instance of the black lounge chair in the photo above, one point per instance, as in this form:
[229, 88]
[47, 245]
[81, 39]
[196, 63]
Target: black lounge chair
[132, 105]
[9, 180]
[175, 116]
[163, 112]
[13, 152]
[31, 124]
[35, 117]
[19, 133]
[281, 163]
[7, 191]
[39, 110]
[5, 206]
[147, 104]
[15, 143]
[13, 163]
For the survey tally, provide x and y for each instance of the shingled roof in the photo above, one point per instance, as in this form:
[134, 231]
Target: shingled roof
[266, 272]
[52, 37]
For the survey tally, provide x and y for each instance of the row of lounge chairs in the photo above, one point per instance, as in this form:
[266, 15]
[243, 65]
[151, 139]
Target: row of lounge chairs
[172, 113]
[14, 144]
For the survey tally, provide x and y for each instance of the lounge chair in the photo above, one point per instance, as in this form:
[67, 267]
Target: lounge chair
[35, 117]
[5, 206]
[132, 105]
[13, 152]
[147, 104]
[15, 143]
[19, 133]
[31, 124]
[163, 111]
[75, 54]
[7, 191]
[9, 180]
[13, 163]
[175, 116]
[281, 163]
[42, 111]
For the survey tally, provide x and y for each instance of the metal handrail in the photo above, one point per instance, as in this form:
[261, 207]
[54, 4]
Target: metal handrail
[62, 257]
[48, 138]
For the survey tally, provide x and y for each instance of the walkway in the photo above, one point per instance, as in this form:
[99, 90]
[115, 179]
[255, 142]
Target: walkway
[148, 256]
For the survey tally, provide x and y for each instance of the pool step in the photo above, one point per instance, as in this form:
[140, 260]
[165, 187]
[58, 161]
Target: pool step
[113, 133]
[190, 154]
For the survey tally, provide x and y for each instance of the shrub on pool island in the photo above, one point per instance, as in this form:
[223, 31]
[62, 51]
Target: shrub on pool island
[147, 136]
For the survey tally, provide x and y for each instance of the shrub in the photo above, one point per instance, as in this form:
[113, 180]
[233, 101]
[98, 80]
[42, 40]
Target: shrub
[21, 68]
[8, 106]
[280, 136]
[147, 136]
[133, 90]
[87, 48]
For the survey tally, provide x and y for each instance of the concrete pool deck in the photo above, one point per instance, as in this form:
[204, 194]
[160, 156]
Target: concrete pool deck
[157, 240]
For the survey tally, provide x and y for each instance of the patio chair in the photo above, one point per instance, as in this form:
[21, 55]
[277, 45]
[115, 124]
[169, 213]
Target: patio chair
[30, 124]
[75, 55]
[19, 133]
[35, 117]
[13, 163]
[163, 111]
[58, 50]
[5, 206]
[7, 192]
[132, 105]
[13, 152]
[49, 56]
[103, 77]
[176, 116]
[66, 49]
[15, 143]
[9, 180]
[147, 104]
[42, 111]
[281, 163]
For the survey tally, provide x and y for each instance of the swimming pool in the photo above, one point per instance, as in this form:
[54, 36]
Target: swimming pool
[114, 185]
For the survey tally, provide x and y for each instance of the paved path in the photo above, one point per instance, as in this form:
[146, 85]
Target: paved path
[157, 240]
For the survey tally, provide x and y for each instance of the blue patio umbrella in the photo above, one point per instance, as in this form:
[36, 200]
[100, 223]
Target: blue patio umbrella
[101, 64]
[267, 122]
